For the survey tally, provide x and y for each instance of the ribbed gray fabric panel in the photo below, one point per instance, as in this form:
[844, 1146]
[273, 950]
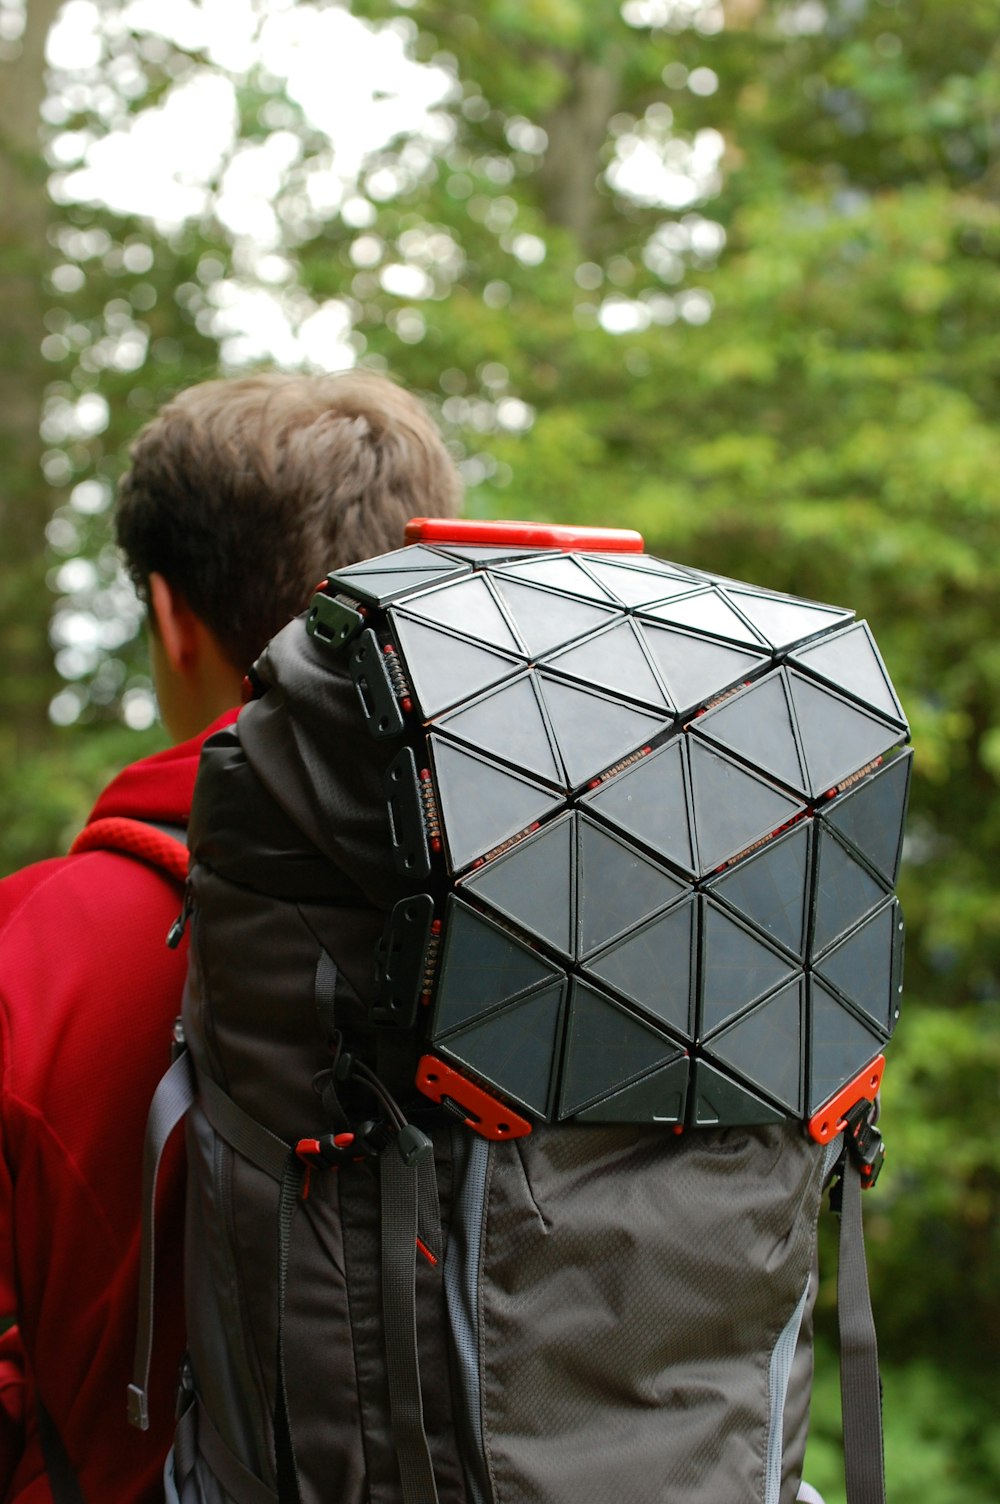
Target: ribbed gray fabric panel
[779, 1373]
[470, 1158]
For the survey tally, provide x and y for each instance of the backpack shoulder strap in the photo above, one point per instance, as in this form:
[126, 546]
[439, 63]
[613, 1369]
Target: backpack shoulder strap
[159, 845]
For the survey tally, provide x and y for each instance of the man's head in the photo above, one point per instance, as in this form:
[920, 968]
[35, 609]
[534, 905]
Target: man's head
[242, 494]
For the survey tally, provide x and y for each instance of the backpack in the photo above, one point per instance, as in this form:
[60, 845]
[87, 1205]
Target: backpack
[543, 954]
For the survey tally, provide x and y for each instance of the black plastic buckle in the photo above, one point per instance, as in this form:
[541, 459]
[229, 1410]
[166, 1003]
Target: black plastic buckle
[332, 622]
[401, 962]
[382, 711]
[864, 1141]
[407, 831]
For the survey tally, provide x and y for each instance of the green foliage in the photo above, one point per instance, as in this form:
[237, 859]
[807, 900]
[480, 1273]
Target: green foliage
[779, 362]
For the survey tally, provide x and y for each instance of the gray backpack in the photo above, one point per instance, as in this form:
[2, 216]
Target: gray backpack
[543, 952]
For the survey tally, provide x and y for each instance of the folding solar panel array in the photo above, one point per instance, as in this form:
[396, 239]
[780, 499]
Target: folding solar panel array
[653, 819]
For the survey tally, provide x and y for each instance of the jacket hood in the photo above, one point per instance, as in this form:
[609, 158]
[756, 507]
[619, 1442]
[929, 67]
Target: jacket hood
[159, 787]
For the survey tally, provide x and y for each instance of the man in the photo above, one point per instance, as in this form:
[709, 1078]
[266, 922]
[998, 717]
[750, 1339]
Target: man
[240, 496]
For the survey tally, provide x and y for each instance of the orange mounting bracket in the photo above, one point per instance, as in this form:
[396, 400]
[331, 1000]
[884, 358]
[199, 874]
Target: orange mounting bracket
[483, 1113]
[830, 1119]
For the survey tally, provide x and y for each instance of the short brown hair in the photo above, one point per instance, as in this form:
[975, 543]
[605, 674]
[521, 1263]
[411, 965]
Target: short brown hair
[244, 493]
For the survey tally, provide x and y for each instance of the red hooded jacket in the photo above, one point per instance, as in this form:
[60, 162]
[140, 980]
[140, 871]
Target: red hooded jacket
[88, 996]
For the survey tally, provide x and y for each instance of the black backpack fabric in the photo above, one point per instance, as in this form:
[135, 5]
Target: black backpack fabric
[543, 952]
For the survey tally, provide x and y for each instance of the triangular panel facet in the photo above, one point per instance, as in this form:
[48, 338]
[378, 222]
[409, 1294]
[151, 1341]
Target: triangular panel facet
[481, 804]
[845, 891]
[415, 557]
[466, 606]
[733, 808]
[765, 1047]
[840, 1045]
[850, 661]
[695, 669]
[654, 967]
[546, 620]
[618, 887]
[650, 802]
[534, 884]
[771, 887]
[737, 967]
[707, 612]
[594, 731]
[757, 725]
[444, 669]
[870, 816]
[614, 661]
[606, 1048]
[838, 737]
[659, 1097]
[515, 1050]
[482, 966]
[377, 587]
[719, 1101]
[559, 573]
[782, 620]
[508, 723]
[639, 587]
[862, 967]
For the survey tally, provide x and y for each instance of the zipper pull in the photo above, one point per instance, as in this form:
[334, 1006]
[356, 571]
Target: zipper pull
[175, 934]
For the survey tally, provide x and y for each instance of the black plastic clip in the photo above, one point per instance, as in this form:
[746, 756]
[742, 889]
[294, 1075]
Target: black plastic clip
[376, 691]
[332, 622]
[864, 1141]
[407, 829]
[401, 962]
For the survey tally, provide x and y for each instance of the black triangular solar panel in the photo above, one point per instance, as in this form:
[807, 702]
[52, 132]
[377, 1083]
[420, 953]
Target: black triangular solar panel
[695, 669]
[618, 887]
[782, 620]
[508, 723]
[719, 1101]
[870, 816]
[765, 1047]
[659, 1097]
[840, 1045]
[771, 887]
[535, 883]
[515, 1049]
[560, 573]
[649, 801]
[592, 730]
[709, 613]
[415, 556]
[444, 669]
[654, 967]
[738, 966]
[466, 606]
[546, 620]
[379, 587]
[613, 660]
[482, 966]
[485, 554]
[757, 724]
[861, 967]
[480, 803]
[606, 1048]
[838, 737]
[638, 587]
[845, 891]
[851, 661]
[733, 807]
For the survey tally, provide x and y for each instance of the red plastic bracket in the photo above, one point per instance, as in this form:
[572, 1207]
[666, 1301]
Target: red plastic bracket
[470, 530]
[830, 1119]
[483, 1113]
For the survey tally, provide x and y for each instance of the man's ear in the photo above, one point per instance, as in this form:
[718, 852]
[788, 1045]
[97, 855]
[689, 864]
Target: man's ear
[174, 623]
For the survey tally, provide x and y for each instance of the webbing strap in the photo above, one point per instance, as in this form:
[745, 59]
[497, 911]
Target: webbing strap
[196, 1437]
[171, 1100]
[399, 1187]
[860, 1387]
[286, 1468]
[242, 1132]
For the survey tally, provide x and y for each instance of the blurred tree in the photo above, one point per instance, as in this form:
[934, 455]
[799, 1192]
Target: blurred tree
[723, 272]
